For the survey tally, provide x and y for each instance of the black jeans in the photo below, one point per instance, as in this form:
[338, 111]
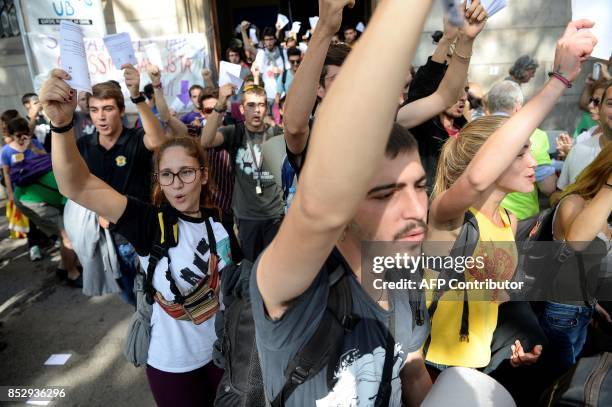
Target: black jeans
[256, 235]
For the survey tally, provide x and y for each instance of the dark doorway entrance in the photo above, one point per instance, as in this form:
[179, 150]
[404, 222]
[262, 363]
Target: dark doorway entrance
[262, 13]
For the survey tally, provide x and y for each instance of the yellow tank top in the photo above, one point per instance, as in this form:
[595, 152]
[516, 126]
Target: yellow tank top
[446, 347]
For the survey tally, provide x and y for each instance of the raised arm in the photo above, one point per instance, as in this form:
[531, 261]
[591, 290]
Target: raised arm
[154, 133]
[502, 147]
[248, 45]
[455, 79]
[211, 137]
[175, 127]
[331, 189]
[73, 177]
[207, 78]
[302, 94]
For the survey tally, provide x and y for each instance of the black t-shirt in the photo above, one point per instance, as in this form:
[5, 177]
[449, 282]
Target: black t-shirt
[139, 224]
[127, 166]
[430, 135]
[297, 160]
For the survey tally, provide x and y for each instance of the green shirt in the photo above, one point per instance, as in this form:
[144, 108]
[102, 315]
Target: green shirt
[586, 122]
[525, 205]
[45, 189]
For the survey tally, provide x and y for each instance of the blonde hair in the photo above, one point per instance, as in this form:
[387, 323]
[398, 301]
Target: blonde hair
[592, 178]
[457, 152]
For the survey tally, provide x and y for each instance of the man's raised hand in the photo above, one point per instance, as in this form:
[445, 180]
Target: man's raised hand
[330, 12]
[132, 79]
[58, 100]
[154, 74]
[225, 92]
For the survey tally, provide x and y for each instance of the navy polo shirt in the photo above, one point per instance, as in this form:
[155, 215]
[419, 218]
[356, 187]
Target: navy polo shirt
[127, 166]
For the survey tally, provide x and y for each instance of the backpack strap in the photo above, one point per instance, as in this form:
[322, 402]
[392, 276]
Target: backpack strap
[383, 396]
[168, 237]
[212, 241]
[284, 79]
[325, 344]
[464, 245]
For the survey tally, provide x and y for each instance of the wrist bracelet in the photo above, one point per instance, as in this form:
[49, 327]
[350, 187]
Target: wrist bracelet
[464, 57]
[608, 185]
[220, 110]
[561, 78]
[158, 86]
[63, 129]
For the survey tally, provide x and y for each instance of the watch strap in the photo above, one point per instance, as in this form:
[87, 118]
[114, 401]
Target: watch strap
[141, 98]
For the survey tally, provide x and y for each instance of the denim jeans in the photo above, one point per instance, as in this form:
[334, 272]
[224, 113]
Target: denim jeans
[128, 264]
[566, 328]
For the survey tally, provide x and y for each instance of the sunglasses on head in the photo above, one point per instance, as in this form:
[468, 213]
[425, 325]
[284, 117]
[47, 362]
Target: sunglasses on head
[595, 101]
[252, 87]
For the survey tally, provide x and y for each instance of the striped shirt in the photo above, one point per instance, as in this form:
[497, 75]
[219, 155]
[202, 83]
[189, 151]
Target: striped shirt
[222, 177]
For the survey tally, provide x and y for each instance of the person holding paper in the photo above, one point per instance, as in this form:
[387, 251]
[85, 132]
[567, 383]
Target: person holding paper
[319, 67]
[179, 363]
[249, 47]
[257, 199]
[271, 64]
[438, 95]
[362, 181]
[121, 156]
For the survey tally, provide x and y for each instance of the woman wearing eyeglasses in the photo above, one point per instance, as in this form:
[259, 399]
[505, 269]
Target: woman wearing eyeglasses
[179, 362]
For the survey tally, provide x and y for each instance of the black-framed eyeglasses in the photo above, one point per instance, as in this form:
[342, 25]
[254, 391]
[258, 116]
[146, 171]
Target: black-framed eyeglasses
[187, 175]
[23, 135]
[595, 101]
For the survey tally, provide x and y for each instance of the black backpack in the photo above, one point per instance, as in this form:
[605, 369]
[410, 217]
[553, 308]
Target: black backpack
[588, 383]
[539, 268]
[236, 352]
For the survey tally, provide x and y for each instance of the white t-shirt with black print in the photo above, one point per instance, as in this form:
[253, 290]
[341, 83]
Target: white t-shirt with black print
[176, 346]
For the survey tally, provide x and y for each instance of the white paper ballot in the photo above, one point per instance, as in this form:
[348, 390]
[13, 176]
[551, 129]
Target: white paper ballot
[178, 106]
[72, 56]
[288, 34]
[360, 27]
[313, 22]
[226, 70]
[282, 20]
[296, 26]
[253, 36]
[120, 49]
[154, 55]
[58, 359]
[492, 6]
[452, 8]
[236, 81]
[599, 11]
